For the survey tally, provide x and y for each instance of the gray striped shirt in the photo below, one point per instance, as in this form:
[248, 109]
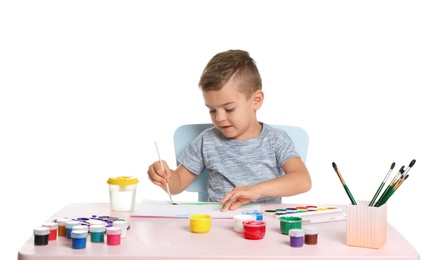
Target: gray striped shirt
[232, 163]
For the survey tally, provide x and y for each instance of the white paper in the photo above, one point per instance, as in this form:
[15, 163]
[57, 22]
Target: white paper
[165, 209]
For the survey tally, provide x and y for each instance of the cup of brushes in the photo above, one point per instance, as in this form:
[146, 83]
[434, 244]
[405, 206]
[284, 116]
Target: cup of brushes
[366, 221]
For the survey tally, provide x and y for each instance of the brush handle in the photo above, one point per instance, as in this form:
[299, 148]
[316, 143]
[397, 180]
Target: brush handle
[386, 191]
[388, 195]
[350, 195]
[376, 194]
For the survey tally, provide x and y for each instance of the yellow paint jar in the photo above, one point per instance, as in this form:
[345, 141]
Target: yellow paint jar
[200, 223]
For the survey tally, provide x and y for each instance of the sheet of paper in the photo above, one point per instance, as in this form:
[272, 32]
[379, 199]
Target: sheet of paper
[164, 209]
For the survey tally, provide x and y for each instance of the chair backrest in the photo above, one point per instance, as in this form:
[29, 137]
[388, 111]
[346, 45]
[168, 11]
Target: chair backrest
[185, 134]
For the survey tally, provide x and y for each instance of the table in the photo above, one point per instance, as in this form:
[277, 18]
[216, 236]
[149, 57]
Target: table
[166, 238]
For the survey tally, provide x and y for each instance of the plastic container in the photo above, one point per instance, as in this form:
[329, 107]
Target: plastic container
[122, 192]
[41, 236]
[238, 219]
[69, 227]
[311, 235]
[113, 236]
[289, 222]
[53, 229]
[254, 229]
[200, 223]
[80, 227]
[296, 237]
[259, 214]
[366, 226]
[123, 225]
[79, 239]
[62, 226]
[97, 233]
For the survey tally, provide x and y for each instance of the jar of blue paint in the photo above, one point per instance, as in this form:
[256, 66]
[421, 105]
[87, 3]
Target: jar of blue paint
[79, 239]
[257, 213]
[69, 227]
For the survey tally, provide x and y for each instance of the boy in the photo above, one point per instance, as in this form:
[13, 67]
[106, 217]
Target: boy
[247, 160]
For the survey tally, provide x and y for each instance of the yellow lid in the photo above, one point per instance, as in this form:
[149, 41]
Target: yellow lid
[122, 180]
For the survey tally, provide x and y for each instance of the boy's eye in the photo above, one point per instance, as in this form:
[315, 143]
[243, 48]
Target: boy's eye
[229, 110]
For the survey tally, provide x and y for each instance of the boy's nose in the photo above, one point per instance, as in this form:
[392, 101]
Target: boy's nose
[220, 116]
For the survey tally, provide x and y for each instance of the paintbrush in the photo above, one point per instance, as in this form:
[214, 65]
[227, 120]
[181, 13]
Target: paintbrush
[390, 186]
[382, 185]
[163, 169]
[396, 182]
[344, 184]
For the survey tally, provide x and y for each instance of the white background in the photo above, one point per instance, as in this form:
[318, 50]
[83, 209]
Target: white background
[88, 86]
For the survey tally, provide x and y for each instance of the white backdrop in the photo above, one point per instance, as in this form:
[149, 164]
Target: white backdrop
[88, 86]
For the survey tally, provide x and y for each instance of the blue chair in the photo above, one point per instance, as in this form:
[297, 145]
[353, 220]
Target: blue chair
[185, 134]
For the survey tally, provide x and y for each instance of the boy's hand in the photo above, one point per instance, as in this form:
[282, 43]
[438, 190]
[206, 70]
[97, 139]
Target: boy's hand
[239, 196]
[157, 176]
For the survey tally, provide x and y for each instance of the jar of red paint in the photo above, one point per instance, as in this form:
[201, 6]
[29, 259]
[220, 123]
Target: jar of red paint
[113, 235]
[254, 229]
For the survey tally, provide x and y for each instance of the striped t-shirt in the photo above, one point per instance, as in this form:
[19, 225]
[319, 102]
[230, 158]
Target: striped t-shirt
[232, 163]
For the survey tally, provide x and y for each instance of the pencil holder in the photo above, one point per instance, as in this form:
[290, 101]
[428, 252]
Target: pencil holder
[366, 226]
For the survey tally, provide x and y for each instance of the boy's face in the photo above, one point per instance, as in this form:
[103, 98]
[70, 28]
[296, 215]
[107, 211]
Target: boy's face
[232, 113]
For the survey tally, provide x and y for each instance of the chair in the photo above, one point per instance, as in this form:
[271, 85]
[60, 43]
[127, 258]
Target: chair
[184, 135]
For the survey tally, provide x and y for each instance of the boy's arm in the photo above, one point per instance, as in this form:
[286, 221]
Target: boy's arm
[178, 180]
[181, 178]
[295, 181]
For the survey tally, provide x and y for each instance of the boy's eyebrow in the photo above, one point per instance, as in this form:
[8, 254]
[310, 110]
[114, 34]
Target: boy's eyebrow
[225, 104]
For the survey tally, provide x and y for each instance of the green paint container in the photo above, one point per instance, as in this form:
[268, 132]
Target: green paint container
[289, 222]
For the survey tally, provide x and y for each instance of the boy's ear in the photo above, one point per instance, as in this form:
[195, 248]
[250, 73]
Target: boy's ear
[258, 99]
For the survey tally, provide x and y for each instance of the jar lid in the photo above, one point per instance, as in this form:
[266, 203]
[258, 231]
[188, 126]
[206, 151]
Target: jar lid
[97, 228]
[51, 225]
[41, 231]
[122, 180]
[80, 227]
[96, 222]
[296, 232]
[63, 221]
[114, 230]
[120, 223]
[72, 223]
[79, 234]
[311, 230]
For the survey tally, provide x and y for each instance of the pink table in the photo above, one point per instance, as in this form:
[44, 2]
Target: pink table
[161, 238]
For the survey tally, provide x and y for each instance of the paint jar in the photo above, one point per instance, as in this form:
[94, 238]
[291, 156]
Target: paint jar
[289, 222]
[113, 236]
[123, 225]
[311, 235]
[97, 233]
[296, 237]
[80, 227]
[96, 222]
[79, 239]
[69, 227]
[254, 229]
[238, 219]
[257, 213]
[41, 236]
[53, 227]
[200, 223]
[62, 226]
[122, 192]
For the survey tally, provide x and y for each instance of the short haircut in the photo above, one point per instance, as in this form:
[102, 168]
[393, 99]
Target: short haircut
[231, 65]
